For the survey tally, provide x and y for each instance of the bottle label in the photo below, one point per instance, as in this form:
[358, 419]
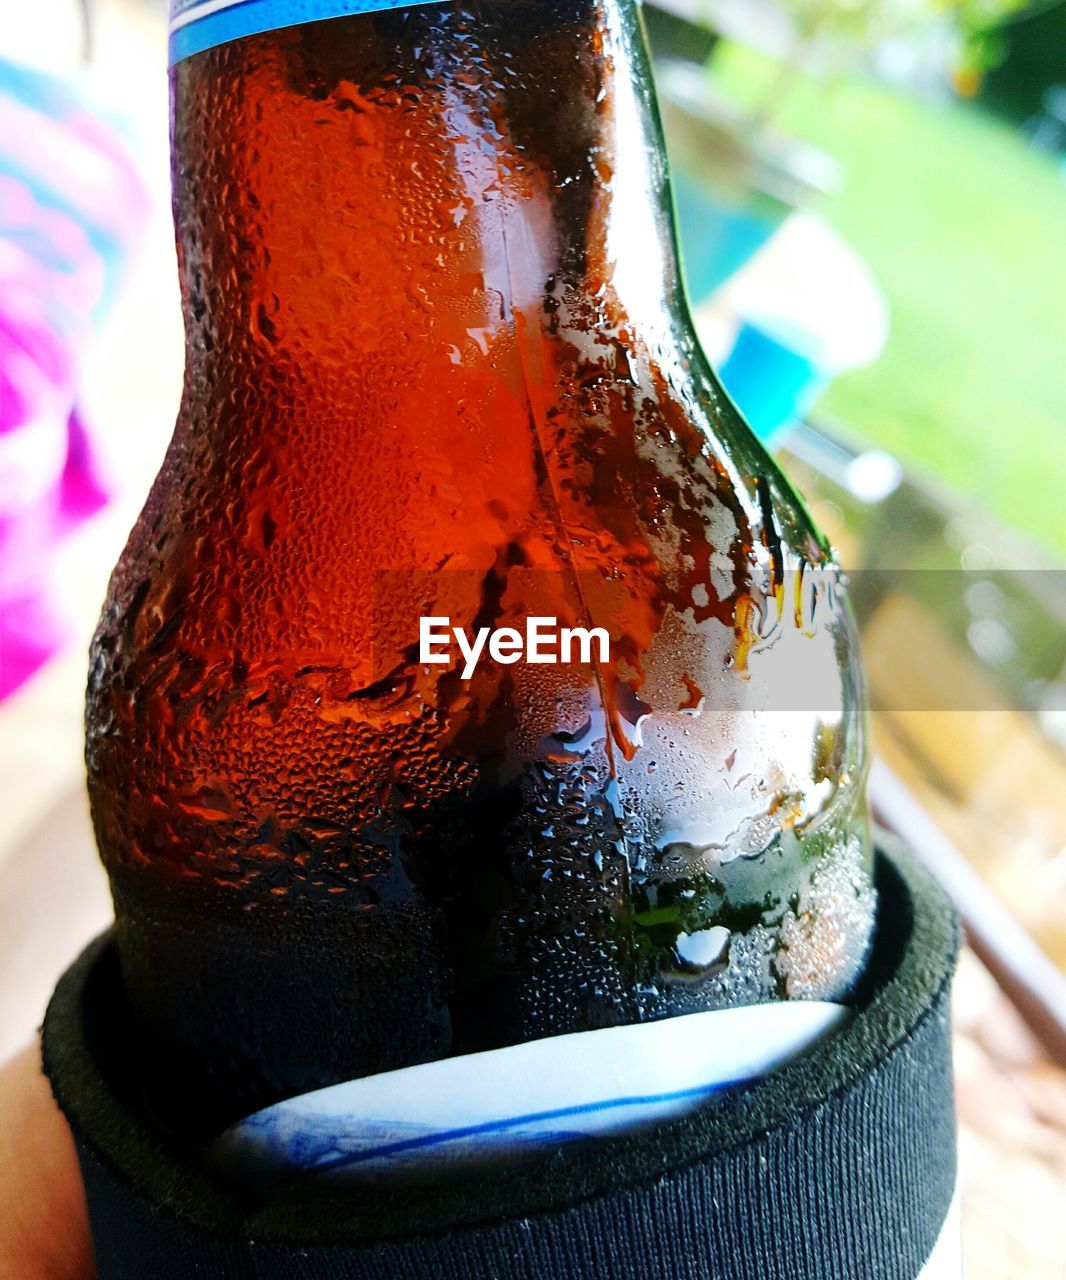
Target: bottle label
[506, 1101]
[196, 25]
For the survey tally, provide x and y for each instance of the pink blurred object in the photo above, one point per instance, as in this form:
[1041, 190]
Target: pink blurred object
[71, 206]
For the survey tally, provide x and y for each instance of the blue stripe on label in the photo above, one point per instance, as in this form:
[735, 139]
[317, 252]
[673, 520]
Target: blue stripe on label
[196, 25]
[516, 1122]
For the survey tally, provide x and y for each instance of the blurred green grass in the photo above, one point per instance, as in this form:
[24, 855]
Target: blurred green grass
[964, 227]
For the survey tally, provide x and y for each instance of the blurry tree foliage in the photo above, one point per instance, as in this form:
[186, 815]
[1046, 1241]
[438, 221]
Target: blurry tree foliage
[859, 25]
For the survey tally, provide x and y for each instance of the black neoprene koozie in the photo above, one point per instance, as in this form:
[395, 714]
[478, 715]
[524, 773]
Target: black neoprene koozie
[841, 1166]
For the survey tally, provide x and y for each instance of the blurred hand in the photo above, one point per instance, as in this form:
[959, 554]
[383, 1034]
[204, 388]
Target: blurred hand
[44, 1228]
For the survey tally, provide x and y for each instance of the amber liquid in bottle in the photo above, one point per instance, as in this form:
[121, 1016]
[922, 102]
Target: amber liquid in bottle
[439, 364]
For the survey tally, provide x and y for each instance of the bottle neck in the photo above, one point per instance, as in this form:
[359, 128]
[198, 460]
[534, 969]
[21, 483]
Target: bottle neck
[419, 185]
[428, 267]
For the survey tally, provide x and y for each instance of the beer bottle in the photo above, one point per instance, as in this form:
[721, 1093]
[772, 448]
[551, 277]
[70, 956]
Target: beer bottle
[440, 379]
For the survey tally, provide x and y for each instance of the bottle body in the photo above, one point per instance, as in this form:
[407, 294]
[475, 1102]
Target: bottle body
[438, 367]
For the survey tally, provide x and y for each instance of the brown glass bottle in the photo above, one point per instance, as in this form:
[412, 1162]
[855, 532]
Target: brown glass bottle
[438, 364]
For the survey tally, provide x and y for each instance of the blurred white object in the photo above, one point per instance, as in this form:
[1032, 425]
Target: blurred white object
[873, 475]
[811, 291]
[802, 311]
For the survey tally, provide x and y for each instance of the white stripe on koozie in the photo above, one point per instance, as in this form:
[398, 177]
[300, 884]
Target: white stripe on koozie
[946, 1262]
